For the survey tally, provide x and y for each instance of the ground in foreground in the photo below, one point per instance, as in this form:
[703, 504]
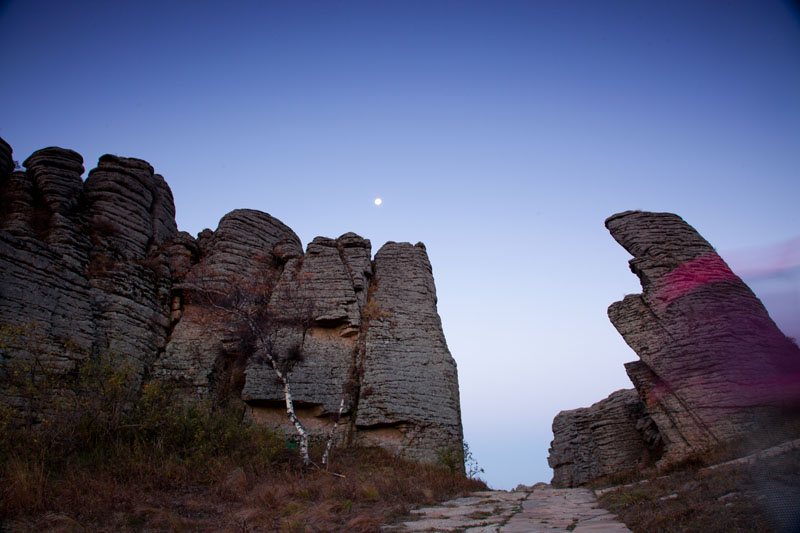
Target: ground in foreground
[376, 488]
[756, 494]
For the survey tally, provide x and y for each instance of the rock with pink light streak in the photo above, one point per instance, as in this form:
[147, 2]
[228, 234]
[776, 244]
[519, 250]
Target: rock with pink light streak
[714, 368]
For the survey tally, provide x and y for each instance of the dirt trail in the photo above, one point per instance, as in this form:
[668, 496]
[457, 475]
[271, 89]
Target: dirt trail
[541, 508]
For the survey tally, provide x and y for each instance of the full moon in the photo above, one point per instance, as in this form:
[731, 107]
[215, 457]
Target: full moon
[378, 201]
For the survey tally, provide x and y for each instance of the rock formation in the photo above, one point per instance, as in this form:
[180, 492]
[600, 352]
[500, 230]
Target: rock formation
[409, 389]
[100, 267]
[77, 276]
[713, 365]
[713, 369]
[592, 442]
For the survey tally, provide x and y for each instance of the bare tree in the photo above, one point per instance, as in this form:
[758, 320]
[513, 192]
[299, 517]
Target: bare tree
[264, 306]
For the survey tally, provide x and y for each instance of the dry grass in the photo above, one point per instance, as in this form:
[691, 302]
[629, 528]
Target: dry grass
[140, 489]
[763, 497]
[105, 459]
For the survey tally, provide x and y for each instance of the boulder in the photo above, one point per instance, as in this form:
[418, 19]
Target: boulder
[604, 439]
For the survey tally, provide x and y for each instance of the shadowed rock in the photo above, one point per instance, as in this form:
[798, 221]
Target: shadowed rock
[131, 208]
[71, 283]
[6, 161]
[714, 368]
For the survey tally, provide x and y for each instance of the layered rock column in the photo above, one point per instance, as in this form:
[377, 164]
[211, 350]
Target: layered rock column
[319, 283]
[409, 390]
[46, 300]
[82, 273]
[714, 369]
[204, 357]
[713, 365]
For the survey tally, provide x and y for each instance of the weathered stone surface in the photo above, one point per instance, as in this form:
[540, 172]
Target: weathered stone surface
[357, 256]
[95, 267]
[56, 175]
[203, 345]
[541, 508]
[714, 366]
[45, 293]
[321, 283]
[409, 390]
[64, 294]
[131, 208]
[713, 369]
[600, 440]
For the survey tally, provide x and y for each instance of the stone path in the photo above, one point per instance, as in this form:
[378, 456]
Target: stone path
[541, 508]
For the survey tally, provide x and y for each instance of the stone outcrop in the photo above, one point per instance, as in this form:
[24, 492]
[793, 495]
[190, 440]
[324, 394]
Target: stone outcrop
[409, 388]
[592, 442]
[6, 162]
[100, 267]
[72, 284]
[713, 365]
[714, 368]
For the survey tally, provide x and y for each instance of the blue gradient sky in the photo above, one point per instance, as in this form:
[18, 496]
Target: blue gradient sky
[501, 134]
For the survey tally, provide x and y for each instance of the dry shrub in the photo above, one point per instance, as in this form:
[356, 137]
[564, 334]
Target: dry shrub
[151, 463]
[24, 485]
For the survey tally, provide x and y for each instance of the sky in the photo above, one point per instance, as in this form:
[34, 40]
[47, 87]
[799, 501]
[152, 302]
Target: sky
[499, 133]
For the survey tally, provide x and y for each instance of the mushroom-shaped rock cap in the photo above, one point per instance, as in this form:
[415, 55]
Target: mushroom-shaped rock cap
[643, 233]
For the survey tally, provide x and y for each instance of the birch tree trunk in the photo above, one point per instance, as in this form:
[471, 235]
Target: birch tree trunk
[287, 394]
[329, 444]
[301, 430]
[239, 299]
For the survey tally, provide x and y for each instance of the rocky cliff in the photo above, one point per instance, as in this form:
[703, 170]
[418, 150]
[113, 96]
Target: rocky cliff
[96, 267]
[713, 369]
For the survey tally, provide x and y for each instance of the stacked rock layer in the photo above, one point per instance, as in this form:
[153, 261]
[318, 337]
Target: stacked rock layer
[714, 368]
[99, 267]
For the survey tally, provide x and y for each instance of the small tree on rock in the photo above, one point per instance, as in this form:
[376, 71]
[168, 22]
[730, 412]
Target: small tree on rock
[266, 308]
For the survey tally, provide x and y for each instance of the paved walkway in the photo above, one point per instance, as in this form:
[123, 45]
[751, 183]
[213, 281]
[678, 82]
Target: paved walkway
[539, 509]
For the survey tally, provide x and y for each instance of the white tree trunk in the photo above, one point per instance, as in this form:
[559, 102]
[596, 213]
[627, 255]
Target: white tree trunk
[287, 393]
[241, 311]
[329, 444]
[301, 430]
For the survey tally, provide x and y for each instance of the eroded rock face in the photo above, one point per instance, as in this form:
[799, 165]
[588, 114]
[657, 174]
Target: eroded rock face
[98, 267]
[714, 366]
[71, 285]
[607, 438]
[204, 354]
[321, 284]
[410, 387]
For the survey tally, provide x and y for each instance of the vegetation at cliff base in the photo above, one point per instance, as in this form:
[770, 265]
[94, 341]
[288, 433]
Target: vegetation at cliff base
[108, 459]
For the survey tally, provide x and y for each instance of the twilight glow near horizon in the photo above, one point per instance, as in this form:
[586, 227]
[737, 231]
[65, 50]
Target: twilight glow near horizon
[500, 134]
